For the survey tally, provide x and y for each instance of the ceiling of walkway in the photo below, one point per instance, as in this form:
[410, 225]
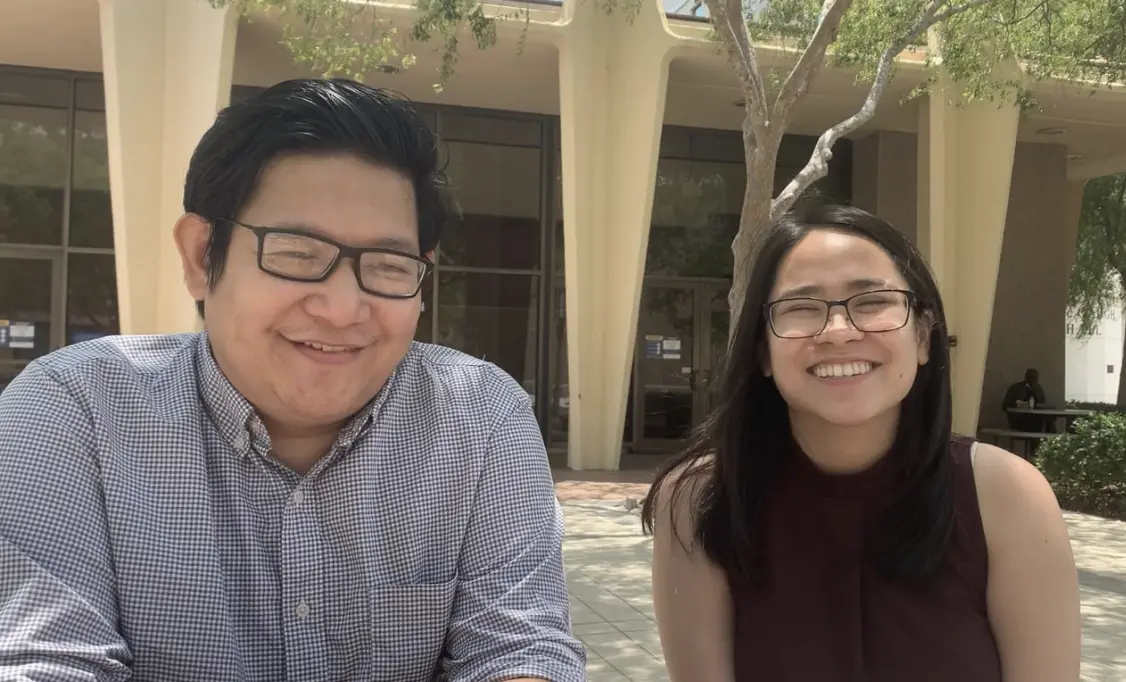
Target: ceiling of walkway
[64, 34]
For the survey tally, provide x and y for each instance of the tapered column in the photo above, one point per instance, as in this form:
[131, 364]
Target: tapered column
[965, 172]
[168, 66]
[613, 79]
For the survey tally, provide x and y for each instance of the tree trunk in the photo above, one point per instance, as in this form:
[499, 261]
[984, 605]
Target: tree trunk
[761, 158]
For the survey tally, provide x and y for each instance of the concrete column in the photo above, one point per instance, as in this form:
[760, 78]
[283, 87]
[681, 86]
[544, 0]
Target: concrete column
[884, 178]
[1073, 212]
[965, 171]
[168, 67]
[613, 77]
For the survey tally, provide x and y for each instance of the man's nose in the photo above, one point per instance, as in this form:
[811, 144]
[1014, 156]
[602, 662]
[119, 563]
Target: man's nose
[339, 299]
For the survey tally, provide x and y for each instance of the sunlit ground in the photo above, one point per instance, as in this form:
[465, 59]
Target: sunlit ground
[612, 610]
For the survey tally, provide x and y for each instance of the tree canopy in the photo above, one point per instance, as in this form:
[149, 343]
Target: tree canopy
[1095, 287]
[1098, 276]
[1081, 41]
[1077, 40]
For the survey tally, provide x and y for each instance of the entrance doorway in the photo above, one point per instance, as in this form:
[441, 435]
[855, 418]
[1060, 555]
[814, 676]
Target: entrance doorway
[682, 339]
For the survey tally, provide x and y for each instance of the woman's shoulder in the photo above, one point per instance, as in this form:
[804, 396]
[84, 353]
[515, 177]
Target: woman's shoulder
[1013, 496]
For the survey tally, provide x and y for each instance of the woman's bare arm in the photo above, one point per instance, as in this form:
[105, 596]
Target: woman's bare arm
[691, 598]
[1033, 594]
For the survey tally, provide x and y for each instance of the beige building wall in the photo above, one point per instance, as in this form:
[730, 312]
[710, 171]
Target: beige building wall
[168, 67]
[885, 177]
[1031, 303]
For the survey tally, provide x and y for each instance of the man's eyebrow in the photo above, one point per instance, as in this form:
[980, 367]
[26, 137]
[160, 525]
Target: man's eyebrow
[398, 244]
[393, 243]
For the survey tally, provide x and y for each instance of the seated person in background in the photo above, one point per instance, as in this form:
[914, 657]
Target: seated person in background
[1027, 393]
[300, 491]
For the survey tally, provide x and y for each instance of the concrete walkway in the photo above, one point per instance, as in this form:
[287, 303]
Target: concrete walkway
[608, 563]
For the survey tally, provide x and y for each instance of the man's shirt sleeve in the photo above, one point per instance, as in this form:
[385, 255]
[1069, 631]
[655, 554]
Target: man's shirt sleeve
[58, 610]
[511, 615]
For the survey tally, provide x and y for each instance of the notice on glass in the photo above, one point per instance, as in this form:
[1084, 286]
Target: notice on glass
[671, 349]
[21, 335]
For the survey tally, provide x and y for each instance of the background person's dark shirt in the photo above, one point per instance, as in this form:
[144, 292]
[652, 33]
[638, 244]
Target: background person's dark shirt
[1022, 391]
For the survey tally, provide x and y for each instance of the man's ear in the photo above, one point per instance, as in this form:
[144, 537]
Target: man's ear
[191, 234]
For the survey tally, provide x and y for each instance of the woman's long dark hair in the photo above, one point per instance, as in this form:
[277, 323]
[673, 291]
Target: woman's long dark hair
[736, 455]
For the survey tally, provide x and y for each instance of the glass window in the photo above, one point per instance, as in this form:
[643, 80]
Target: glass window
[486, 129]
[33, 150]
[557, 218]
[25, 307]
[559, 400]
[91, 297]
[90, 95]
[28, 89]
[696, 208]
[498, 189]
[91, 218]
[494, 317]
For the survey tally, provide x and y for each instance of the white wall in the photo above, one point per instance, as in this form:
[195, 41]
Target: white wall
[1088, 361]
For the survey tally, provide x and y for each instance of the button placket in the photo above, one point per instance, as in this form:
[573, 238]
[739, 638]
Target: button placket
[302, 547]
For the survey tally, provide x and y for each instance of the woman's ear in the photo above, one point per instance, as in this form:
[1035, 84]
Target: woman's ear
[764, 359]
[926, 328]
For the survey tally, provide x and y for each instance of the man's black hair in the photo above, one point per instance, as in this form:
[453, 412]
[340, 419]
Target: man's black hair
[311, 116]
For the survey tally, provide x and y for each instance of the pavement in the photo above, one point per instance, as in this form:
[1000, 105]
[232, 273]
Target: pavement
[608, 569]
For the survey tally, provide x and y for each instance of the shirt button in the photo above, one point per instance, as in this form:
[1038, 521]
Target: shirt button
[298, 496]
[302, 610]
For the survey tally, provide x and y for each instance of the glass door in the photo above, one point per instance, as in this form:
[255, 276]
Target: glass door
[30, 308]
[682, 339]
[665, 366]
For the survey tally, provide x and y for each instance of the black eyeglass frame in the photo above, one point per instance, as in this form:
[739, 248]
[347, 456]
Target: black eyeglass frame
[342, 251]
[912, 305]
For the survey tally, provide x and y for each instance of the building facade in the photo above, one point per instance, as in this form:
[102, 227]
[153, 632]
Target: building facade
[1094, 363]
[600, 174]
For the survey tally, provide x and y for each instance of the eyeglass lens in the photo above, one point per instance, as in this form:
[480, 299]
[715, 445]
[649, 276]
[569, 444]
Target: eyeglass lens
[306, 258]
[875, 311]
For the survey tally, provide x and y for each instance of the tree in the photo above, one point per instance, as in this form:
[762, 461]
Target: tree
[1076, 40]
[1098, 276]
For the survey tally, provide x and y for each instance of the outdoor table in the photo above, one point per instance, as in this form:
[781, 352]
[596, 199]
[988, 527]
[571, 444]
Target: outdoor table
[1069, 415]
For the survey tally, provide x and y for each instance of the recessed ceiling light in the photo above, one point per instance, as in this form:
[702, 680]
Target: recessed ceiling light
[1074, 157]
[1051, 131]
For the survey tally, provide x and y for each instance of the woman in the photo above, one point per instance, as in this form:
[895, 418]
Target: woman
[826, 526]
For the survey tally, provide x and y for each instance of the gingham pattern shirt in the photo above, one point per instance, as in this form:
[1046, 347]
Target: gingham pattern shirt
[147, 534]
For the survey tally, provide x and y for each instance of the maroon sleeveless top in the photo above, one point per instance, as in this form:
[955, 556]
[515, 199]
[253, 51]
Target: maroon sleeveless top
[823, 614]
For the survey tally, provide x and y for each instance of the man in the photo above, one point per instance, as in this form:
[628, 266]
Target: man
[300, 492]
[1027, 393]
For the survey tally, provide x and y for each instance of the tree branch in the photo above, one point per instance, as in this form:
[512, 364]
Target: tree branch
[818, 165]
[810, 62]
[731, 25]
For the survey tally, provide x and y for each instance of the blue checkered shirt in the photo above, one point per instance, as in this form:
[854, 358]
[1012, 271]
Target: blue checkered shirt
[147, 534]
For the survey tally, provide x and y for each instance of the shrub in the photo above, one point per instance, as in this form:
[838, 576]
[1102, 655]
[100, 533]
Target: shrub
[1087, 468]
[1096, 407]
